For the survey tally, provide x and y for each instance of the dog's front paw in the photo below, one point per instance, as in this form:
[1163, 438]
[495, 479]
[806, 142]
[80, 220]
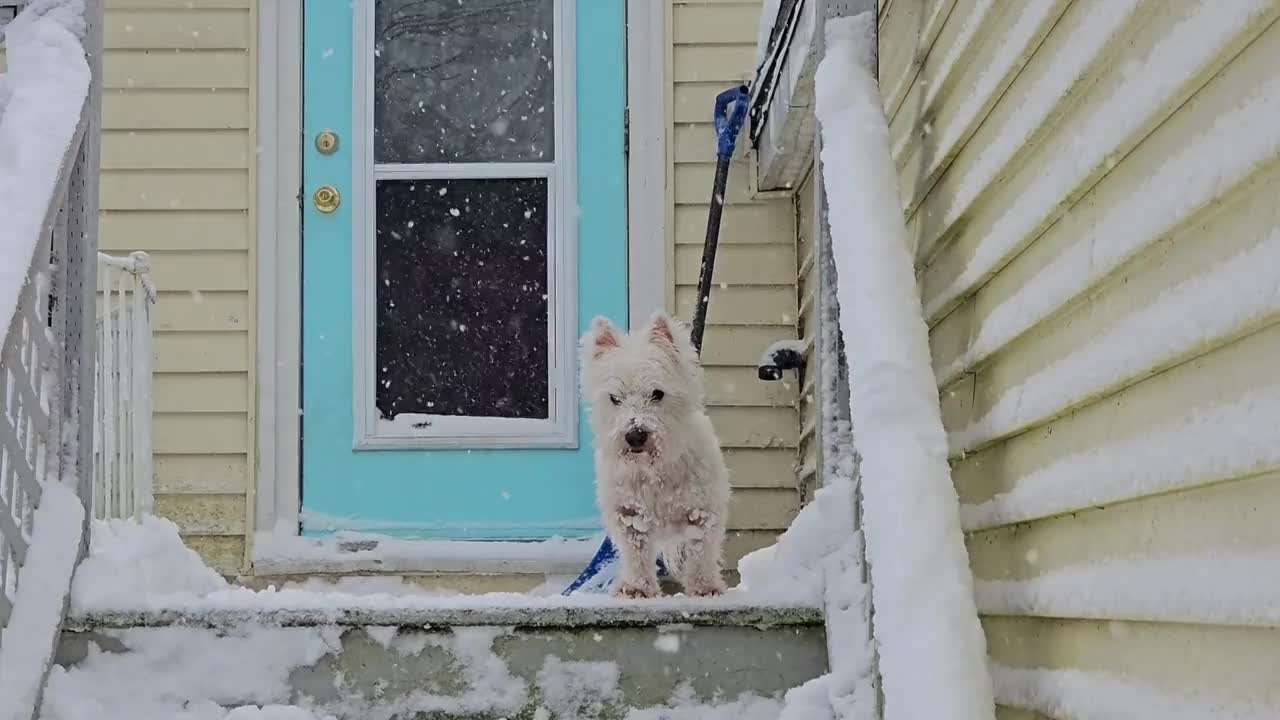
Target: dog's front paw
[639, 588]
[708, 588]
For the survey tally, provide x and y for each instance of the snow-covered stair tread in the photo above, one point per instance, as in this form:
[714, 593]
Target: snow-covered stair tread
[507, 662]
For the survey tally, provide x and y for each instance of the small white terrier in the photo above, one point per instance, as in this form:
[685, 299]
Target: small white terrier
[661, 479]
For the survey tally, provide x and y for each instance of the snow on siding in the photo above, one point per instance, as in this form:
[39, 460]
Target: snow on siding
[1098, 263]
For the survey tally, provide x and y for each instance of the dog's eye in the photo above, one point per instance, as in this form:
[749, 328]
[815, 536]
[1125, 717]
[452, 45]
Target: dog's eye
[658, 395]
[614, 399]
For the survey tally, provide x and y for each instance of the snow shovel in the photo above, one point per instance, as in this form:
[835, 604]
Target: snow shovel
[728, 115]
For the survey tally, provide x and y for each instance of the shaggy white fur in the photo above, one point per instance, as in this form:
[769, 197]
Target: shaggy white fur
[661, 479]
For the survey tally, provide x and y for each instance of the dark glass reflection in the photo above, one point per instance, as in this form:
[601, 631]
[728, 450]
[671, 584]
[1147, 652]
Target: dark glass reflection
[462, 298]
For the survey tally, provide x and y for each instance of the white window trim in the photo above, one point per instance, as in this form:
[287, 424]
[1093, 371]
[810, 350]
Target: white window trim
[277, 475]
[560, 429]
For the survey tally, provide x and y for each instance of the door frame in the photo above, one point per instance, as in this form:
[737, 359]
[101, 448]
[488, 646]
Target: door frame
[276, 118]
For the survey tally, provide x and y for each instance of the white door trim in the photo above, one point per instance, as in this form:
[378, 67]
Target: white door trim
[279, 333]
[279, 187]
[649, 208]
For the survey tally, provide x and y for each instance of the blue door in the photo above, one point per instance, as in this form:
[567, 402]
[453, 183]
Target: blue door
[463, 219]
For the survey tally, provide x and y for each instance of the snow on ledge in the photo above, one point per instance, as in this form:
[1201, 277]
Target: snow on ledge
[932, 648]
[347, 552]
[142, 574]
[44, 93]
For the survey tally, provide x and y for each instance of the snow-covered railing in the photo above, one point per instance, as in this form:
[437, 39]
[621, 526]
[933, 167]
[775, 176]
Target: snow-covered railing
[49, 109]
[122, 403]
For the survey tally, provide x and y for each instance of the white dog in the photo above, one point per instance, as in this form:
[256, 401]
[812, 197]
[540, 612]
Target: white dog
[660, 475]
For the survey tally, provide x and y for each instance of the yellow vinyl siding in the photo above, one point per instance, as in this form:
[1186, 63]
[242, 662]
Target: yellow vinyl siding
[177, 158]
[1018, 282]
[808, 454]
[753, 297]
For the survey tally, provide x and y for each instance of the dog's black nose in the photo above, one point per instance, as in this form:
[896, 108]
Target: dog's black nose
[637, 437]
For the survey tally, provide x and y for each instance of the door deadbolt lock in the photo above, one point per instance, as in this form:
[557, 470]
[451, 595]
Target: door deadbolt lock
[327, 142]
[326, 198]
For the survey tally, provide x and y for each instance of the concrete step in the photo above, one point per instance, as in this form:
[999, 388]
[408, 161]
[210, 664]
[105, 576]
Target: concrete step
[538, 663]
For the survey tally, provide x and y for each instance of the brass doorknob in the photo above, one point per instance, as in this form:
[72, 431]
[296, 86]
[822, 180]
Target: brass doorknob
[326, 141]
[326, 198]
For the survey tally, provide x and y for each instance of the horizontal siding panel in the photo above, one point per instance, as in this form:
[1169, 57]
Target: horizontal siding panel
[202, 312]
[930, 130]
[196, 109]
[201, 352]
[742, 386]
[201, 433]
[694, 181]
[742, 305]
[769, 467]
[177, 150]
[1170, 404]
[201, 473]
[126, 231]
[1104, 236]
[693, 102]
[762, 509]
[1078, 49]
[188, 29]
[162, 69]
[714, 63]
[201, 270]
[201, 392]
[742, 542]
[739, 265]
[740, 224]
[1043, 186]
[1218, 518]
[223, 553]
[967, 28]
[907, 35]
[741, 345]
[222, 514]
[1121, 337]
[755, 427]
[717, 24]
[175, 190]
[1240, 663]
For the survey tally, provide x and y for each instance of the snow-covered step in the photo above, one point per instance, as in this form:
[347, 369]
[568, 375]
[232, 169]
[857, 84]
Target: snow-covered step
[544, 661]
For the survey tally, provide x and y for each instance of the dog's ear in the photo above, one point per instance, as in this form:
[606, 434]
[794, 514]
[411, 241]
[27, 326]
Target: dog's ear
[670, 333]
[603, 336]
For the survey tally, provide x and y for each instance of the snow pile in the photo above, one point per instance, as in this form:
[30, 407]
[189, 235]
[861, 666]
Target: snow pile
[44, 91]
[40, 599]
[171, 673]
[577, 690]
[127, 559]
[684, 707]
[932, 650]
[1098, 696]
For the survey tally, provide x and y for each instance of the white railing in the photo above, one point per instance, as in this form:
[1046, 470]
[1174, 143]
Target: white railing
[48, 238]
[122, 479]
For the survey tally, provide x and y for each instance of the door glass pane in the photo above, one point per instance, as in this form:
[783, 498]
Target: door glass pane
[463, 81]
[462, 298]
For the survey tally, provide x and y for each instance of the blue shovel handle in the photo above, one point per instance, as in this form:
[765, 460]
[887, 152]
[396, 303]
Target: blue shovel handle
[730, 113]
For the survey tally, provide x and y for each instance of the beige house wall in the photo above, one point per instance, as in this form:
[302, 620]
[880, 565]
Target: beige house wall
[178, 181]
[1074, 175]
[753, 298]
